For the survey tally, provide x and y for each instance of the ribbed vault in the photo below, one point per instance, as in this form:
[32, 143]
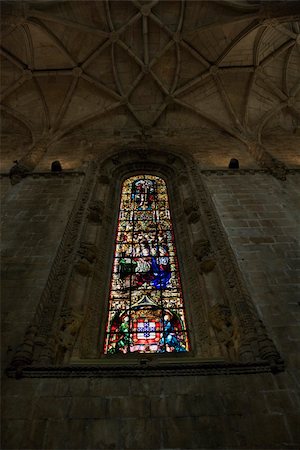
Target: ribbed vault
[138, 69]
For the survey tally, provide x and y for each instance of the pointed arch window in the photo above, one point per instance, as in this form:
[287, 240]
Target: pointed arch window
[146, 309]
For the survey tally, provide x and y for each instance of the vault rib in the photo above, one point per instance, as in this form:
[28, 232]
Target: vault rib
[12, 58]
[83, 120]
[65, 104]
[252, 26]
[245, 69]
[108, 15]
[131, 109]
[145, 40]
[256, 47]
[163, 88]
[131, 21]
[266, 117]
[19, 116]
[285, 71]
[295, 89]
[227, 103]
[33, 13]
[277, 52]
[130, 52]
[194, 53]
[135, 83]
[114, 68]
[181, 17]
[269, 83]
[12, 87]
[29, 45]
[55, 40]
[160, 111]
[192, 83]
[95, 53]
[43, 100]
[177, 68]
[100, 85]
[212, 120]
[161, 53]
[220, 23]
[283, 30]
[51, 72]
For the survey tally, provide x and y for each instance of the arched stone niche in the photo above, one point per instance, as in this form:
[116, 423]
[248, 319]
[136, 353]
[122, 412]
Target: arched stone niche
[66, 337]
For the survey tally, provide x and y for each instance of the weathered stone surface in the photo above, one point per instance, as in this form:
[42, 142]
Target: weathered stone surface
[132, 406]
[62, 434]
[140, 433]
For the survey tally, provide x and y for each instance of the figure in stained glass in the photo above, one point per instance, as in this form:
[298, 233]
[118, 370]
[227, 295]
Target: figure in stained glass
[170, 337]
[146, 311]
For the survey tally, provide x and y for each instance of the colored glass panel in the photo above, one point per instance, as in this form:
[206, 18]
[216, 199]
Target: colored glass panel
[146, 311]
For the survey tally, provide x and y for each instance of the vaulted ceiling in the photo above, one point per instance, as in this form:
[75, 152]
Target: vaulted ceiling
[132, 69]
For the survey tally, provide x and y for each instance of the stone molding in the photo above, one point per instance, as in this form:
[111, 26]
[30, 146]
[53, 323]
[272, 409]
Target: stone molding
[67, 333]
[144, 370]
[208, 172]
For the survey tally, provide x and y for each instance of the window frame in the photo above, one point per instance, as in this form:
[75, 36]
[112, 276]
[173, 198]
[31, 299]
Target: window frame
[145, 173]
[66, 337]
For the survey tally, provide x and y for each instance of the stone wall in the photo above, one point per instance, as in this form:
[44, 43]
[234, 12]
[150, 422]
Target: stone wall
[34, 214]
[259, 411]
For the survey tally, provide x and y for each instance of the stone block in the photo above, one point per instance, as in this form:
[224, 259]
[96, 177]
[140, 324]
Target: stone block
[293, 421]
[129, 406]
[72, 387]
[103, 434]
[88, 408]
[16, 407]
[146, 386]
[140, 434]
[19, 388]
[34, 434]
[172, 406]
[109, 387]
[280, 402]
[269, 431]
[12, 434]
[66, 434]
[187, 433]
[51, 407]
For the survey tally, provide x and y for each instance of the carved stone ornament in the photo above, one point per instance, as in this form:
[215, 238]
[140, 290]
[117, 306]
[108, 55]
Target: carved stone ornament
[17, 172]
[67, 335]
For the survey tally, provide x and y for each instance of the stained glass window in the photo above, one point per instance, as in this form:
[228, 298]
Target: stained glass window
[146, 311]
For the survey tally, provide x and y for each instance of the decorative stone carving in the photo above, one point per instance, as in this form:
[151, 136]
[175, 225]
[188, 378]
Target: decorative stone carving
[201, 248]
[69, 327]
[207, 265]
[95, 211]
[24, 354]
[17, 172]
[191, 210]
[189, 206]
[103, 179]
[226, 329]
[86, 257]
[59, 335]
